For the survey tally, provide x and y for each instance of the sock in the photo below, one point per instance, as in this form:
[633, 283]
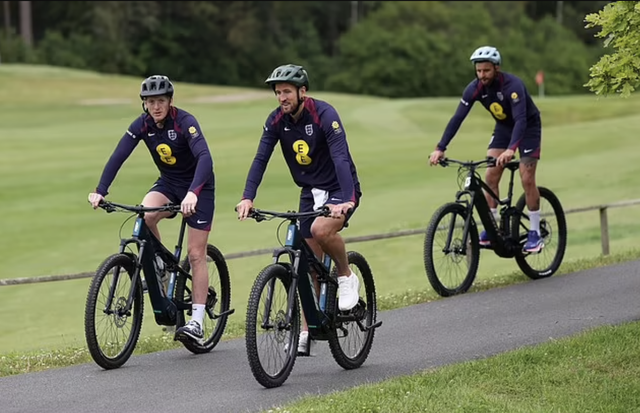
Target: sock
[494, 211]
[198, 313]
[534, 218]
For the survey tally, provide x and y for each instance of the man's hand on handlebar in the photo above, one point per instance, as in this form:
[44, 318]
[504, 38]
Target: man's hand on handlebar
[435, 157]
[340, 209]
[505, 157]
[244, 208]
[95, 199]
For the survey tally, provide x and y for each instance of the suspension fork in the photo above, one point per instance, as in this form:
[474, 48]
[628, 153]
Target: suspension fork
[468, 205]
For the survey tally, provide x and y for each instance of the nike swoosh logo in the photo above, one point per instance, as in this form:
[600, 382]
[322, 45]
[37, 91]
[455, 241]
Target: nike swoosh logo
[151, 134]
[201, 222]
[527, 150]
[484, 96]
[286, 129]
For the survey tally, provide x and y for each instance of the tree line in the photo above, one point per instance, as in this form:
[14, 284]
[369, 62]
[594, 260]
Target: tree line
[382, 48]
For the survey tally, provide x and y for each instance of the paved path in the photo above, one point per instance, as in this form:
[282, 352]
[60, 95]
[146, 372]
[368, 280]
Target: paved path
[411, 339]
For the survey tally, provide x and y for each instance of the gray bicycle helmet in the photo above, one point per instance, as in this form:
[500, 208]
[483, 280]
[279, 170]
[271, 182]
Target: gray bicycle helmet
[486, 54]
[290, 73]
[156, 85]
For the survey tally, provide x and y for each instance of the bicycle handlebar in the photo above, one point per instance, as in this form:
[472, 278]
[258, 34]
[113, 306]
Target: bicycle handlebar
[489, 161]
[113, 206]
[261, 214]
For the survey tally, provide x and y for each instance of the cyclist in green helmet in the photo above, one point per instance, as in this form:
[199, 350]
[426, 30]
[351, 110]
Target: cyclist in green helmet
[314, 145]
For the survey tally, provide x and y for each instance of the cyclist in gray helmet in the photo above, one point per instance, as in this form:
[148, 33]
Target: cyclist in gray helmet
[181, 154]
[518, 126]
[314, 145]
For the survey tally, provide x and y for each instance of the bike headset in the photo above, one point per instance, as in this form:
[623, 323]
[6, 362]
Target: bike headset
[156, 85]
[289, 73]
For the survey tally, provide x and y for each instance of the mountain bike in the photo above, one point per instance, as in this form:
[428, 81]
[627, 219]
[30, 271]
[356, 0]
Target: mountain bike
[282, 287]
[456, 240]
[115, 297]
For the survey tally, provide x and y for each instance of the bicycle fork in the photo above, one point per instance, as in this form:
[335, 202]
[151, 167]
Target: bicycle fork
[467, 223]
[125, 310]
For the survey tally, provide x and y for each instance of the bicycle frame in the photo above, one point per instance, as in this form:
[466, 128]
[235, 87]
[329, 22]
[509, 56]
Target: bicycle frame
[165, 307]
[320, 309]
[303, 259]
[474, 188]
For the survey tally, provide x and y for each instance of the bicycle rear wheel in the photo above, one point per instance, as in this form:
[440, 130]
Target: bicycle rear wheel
[448, 223]
[272, 345]
[349, 344]
[553, 230]
[218, 300]
[112, 348]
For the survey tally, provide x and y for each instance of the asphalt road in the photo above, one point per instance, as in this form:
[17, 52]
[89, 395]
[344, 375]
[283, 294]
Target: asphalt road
[411, 339]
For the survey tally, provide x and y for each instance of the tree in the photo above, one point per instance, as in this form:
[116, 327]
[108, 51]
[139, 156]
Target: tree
[619, 71]
[7, 17]
[25, 23]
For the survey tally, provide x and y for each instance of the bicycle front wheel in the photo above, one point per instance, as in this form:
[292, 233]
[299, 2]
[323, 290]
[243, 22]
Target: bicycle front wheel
[553, 230]
[443, 248]
[111, 332]
[218, 300]
[349, 343]
[271, 343]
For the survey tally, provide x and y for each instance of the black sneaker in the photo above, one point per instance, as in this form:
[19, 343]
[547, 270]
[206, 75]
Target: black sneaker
[192, 331]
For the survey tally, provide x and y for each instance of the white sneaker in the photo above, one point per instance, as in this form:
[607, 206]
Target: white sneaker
[348, 288]
[303, 341]
[304, 345]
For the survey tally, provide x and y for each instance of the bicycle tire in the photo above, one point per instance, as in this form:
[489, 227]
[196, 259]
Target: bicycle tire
[276, 272]
[474, 249]
[521, 257]
[223, 297]
[126, 262]
[344, 360]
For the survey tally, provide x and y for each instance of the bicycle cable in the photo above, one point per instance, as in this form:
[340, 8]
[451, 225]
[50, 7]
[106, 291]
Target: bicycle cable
[120, 231]
[278, 232]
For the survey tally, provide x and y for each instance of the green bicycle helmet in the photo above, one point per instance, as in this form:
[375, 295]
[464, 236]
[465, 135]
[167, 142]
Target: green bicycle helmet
[156, 85]
[290, 73]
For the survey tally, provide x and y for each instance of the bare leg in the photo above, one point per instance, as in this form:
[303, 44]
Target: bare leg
[531, 193]
[325, 232]
[155, 199]
[326, 239]
[492, 178]
[528, 168]
[197, 252]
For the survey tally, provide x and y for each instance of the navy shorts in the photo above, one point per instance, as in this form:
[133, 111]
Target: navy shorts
[529, 146]
[307, 203]
[203, 217]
